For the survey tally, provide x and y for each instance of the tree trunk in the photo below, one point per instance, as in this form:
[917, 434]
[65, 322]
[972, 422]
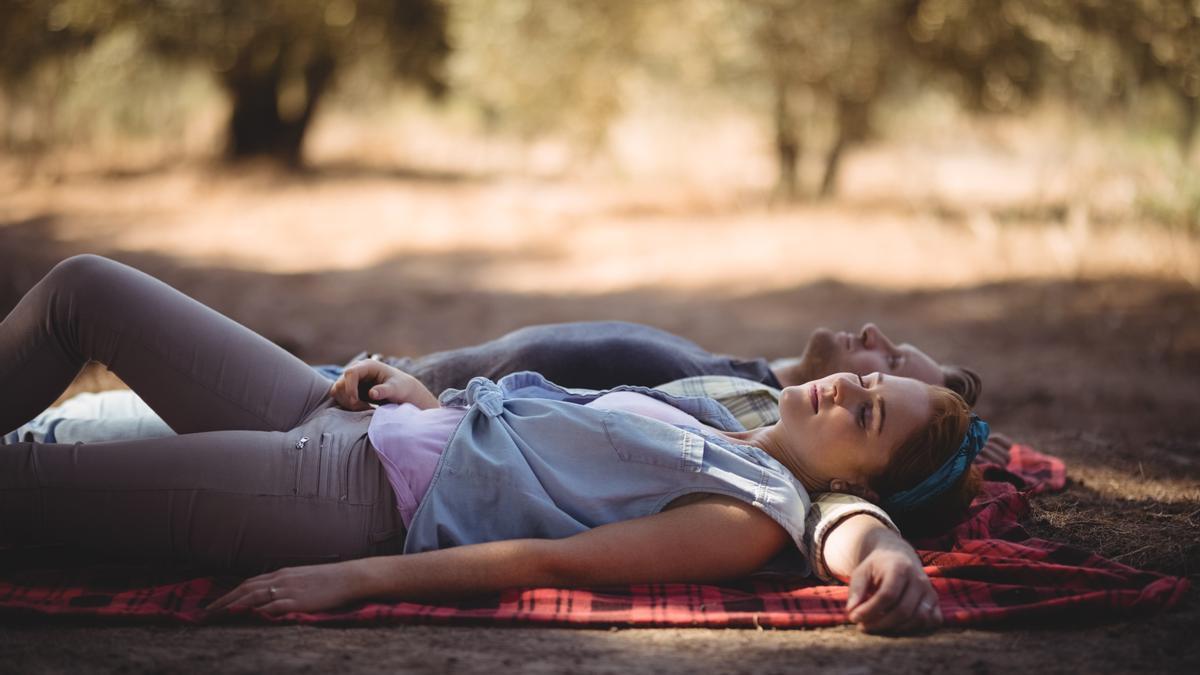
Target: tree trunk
[787, 147]
[833, 161]
[1191, 118]
[853, 120]
[256, 127]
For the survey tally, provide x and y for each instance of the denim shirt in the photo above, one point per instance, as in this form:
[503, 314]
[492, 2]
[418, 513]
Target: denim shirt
[530, 461]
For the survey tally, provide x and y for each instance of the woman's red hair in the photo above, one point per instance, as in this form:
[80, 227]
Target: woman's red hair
[922, 454]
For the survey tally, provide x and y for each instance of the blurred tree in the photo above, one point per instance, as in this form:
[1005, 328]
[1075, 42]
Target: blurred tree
[1005, 53]
[989, 53]
[34, 30]
[818, 71]
[274, 58]
[847, 58]
[540, 66]
[813, 68]
[36, 33]
[1160, 42]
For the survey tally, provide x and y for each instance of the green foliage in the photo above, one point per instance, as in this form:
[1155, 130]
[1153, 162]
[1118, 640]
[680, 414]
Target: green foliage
[34, 31]
[817, 72]
[113, 92]
[237, 38]
[275, 58]
[535, 66]
[1159, 42]
[832, 64]
[1178, 205]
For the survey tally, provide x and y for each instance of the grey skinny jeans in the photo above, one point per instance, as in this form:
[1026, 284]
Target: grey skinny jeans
[266, 472]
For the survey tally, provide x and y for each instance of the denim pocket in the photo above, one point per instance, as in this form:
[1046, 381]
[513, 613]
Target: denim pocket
[640, 439]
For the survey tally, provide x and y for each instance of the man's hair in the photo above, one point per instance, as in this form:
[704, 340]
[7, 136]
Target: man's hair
[964, 382]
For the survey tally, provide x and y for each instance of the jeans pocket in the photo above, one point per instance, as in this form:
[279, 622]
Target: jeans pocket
[333, 466]
[318, 467]
[345, 467]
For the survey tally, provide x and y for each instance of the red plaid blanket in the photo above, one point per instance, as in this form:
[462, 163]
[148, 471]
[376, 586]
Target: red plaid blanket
[986, 570]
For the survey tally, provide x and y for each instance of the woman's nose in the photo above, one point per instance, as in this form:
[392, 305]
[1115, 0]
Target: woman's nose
[847, 389]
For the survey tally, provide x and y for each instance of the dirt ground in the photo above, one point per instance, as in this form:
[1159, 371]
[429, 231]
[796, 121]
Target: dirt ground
[1087, 336]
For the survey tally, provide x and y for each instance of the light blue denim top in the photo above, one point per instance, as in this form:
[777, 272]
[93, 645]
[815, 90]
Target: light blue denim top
[529, 461]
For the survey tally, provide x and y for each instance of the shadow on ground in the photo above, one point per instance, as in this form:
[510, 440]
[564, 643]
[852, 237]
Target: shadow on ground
[1100, 372]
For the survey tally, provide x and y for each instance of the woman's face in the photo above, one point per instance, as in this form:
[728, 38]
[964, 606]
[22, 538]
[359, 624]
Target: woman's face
[847, 427]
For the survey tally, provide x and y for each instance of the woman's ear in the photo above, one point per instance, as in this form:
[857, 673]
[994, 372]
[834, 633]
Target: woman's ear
[846, 487]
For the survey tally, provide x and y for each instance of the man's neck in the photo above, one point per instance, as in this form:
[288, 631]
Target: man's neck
[789, 372]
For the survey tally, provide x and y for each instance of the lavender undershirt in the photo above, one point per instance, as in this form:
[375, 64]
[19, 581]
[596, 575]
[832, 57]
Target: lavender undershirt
[409, 441]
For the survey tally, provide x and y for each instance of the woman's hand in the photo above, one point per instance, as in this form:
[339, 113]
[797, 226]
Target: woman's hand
[295, 589]
[890, 592]
[387, 384]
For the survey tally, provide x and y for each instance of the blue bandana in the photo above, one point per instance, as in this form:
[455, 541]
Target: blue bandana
[941, 480]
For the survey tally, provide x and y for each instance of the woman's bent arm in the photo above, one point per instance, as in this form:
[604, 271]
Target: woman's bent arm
[387, 385]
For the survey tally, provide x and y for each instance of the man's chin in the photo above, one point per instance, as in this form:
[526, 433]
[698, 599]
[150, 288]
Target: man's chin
[819, 357]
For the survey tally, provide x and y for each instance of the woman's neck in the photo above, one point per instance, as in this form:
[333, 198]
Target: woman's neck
[769, 440]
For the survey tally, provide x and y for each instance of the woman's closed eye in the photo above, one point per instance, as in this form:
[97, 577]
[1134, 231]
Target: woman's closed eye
[863, 410]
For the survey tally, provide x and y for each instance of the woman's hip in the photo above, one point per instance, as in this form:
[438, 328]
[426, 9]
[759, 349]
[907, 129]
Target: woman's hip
[342, 505]
[237, 500]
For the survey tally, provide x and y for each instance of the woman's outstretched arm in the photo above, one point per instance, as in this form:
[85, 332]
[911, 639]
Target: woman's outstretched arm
[713, 539]
[889, 590]
[717, 538]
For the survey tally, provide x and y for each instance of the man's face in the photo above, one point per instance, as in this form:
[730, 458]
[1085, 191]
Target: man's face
[868, 351]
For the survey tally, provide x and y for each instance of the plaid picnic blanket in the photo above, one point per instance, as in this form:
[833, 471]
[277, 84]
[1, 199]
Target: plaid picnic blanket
[986, 570]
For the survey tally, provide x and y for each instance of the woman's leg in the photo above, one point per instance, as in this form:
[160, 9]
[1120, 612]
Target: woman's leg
[198, 369]
[240, 500]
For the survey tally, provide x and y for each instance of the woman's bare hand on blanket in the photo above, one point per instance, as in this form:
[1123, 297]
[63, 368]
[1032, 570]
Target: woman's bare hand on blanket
[890, 592]
[387, 384]
[312, 588]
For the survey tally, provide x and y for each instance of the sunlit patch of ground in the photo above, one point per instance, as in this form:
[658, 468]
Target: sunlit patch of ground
[575, 238]
[684, 205]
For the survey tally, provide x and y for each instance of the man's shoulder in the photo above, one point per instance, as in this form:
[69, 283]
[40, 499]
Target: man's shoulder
[754, 404]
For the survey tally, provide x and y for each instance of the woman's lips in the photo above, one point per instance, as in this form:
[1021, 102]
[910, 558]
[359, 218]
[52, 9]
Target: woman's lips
[812, 395]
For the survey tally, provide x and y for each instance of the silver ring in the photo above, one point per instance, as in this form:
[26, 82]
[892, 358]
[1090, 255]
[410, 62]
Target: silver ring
[271, 591]
[925, 606]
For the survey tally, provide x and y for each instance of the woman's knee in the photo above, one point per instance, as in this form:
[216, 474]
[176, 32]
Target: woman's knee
[93, 282]
[82, 271]
[85, 286]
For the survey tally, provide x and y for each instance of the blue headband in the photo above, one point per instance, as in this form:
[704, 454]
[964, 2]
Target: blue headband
[941, 480]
